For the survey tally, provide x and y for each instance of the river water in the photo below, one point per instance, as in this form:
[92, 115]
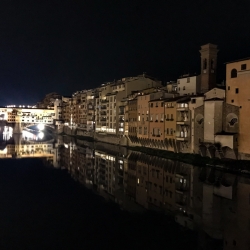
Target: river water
[62, 193]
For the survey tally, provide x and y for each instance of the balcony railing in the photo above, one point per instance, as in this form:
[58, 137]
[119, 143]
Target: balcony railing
[182, 106]
[104, 101]
[181, 138]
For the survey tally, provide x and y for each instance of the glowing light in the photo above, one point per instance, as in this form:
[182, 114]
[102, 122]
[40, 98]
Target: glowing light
[41, 135]
[40, 126]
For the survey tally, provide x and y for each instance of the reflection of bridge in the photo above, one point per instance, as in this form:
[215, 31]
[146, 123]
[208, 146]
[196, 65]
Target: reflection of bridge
[27, 149]
[21, 118]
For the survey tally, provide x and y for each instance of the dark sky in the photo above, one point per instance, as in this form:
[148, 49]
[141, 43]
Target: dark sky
[64, 46]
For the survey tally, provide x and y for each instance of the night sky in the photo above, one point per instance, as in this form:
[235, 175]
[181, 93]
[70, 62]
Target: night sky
[65, 46]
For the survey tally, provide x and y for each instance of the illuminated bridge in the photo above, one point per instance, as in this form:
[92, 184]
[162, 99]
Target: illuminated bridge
[20, 118]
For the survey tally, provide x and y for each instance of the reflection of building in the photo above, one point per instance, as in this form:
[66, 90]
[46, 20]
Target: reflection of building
[204, 199]
[24, 147]
[236, 226]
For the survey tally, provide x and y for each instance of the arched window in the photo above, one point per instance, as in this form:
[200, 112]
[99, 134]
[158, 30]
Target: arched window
[233, 73]
[212, 64]
[205, 64]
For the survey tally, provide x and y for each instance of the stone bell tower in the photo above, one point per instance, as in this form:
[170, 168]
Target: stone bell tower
[208, 66]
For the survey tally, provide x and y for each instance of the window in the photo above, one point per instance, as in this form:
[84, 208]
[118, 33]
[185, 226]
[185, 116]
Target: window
[232, 101]
[237, 91]
[228, 88]
[184, 88]
[205, 64]
[233, 73]
[193, 101]
[243, 66]
[162, 104]
[178, 82]
[188, 79]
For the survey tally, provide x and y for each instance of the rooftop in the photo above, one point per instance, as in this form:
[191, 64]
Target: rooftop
[238, 60]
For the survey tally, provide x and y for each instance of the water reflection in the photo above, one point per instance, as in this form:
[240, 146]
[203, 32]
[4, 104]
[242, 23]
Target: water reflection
[214, 203]
[210, 201]
[28, 144]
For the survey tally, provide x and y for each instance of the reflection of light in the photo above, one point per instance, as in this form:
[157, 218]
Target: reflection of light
[7, 132]
[66, 145]
[3, 151]
[41, 135]
[40, 126]
[28, 135]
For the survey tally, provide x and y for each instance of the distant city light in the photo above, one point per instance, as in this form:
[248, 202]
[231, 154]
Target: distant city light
[20, 106]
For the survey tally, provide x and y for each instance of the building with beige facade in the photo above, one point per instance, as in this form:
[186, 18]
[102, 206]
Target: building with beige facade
[189, 85]
[237, 94]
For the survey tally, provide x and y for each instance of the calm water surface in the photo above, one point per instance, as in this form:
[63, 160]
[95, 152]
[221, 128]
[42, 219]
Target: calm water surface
[66, 194]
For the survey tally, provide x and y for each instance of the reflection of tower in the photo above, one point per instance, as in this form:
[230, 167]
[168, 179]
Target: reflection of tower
[17, 140]
[208, 66]
[17, 127]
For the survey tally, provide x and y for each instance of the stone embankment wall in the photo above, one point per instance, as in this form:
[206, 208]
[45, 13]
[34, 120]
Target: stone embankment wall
[106, 138]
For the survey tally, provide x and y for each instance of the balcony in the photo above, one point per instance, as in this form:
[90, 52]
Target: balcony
[181, 188]
[90, 107]
[104, 101]
[183, 122]
[182, 107]
[181, 138]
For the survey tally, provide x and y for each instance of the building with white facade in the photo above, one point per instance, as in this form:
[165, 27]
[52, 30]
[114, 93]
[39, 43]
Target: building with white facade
[189, 85]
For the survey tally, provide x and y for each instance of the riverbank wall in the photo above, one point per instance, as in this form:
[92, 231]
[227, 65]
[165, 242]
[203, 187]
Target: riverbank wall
[155, 149]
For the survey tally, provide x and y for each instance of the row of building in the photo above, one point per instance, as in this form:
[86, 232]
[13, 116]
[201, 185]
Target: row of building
[193, 114]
